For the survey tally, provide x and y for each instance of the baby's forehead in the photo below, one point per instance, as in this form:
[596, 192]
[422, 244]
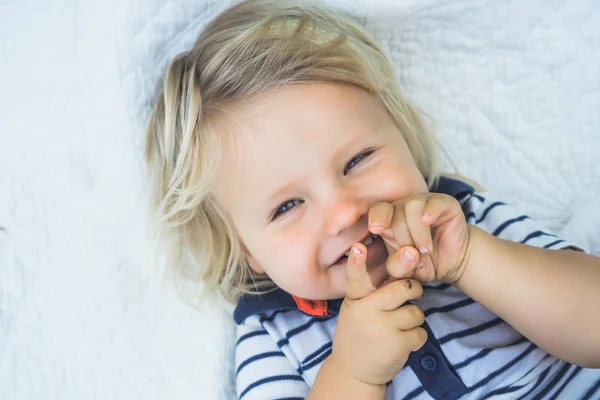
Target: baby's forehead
[295, 111]
[290, 132]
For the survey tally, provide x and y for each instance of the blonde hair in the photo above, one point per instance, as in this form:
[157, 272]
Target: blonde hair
[251, 49]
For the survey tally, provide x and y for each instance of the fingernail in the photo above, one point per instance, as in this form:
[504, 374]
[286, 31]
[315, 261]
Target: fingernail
[423, 249]
[409, 256]
[356, 250]
[420, 265]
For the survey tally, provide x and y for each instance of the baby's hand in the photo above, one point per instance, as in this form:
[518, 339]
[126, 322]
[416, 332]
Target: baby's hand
[375, 333]
[432, 223]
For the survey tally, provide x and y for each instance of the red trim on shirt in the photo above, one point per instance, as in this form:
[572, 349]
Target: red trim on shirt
[316, 308]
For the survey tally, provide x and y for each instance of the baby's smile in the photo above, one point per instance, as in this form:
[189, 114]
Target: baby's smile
[376, 252]
[300, 200]
[367, 241]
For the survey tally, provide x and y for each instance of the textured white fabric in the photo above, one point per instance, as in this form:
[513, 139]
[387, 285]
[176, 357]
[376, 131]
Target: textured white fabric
[513, 88]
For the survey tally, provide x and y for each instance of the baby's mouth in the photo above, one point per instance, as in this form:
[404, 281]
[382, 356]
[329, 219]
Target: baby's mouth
[366, 241]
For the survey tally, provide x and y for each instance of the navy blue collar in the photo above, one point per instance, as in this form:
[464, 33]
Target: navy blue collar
[279, 300]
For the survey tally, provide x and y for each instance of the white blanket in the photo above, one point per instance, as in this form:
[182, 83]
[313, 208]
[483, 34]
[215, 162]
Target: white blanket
[512, 87]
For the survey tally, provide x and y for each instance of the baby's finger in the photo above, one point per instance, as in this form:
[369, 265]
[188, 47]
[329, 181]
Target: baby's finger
[420, 232]
[408, 317]
[415, 338]
[400, 231]
[380, 217]
[425, 270]
[402, 263]
[358, 281]
[439, 210]
[396, 293]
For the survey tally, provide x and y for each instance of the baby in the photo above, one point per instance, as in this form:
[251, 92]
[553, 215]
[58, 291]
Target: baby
[293, 178]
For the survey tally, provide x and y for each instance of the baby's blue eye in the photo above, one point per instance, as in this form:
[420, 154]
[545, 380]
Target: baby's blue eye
[285, 207]
[356, 159]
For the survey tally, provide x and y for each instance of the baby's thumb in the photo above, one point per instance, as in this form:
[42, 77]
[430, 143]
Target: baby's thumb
[402, 263]
[358, 281]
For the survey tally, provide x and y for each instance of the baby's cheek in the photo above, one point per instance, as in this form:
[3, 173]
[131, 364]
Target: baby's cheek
[389, 185]
[286, 261]
[289, 257]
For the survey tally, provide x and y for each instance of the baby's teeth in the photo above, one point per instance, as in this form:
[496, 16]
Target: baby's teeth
[368, 241]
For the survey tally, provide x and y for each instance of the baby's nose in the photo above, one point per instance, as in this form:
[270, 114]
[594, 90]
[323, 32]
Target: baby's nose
[343, 213]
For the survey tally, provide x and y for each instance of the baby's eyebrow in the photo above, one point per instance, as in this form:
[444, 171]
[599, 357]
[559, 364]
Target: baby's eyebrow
[280, 191]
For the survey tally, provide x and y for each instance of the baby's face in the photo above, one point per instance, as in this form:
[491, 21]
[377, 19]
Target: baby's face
[308, 163]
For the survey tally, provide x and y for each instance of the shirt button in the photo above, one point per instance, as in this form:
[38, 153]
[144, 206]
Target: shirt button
[429, 362]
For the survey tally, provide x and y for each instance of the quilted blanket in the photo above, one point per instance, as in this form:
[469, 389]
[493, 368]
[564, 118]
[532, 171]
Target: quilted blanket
[512, 89]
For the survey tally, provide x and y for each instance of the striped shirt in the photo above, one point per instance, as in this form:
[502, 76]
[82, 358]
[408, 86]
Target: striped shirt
[470, 354]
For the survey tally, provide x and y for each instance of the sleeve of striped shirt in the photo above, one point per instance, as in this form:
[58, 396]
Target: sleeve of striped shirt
[505, 222]
[262, 369]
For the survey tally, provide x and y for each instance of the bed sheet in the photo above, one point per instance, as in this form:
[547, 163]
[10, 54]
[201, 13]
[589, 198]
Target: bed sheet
[512, 89]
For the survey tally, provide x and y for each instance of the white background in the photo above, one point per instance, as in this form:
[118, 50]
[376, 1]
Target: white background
[512, 87]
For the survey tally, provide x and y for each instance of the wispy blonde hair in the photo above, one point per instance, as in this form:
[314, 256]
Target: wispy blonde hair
[250, 49]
